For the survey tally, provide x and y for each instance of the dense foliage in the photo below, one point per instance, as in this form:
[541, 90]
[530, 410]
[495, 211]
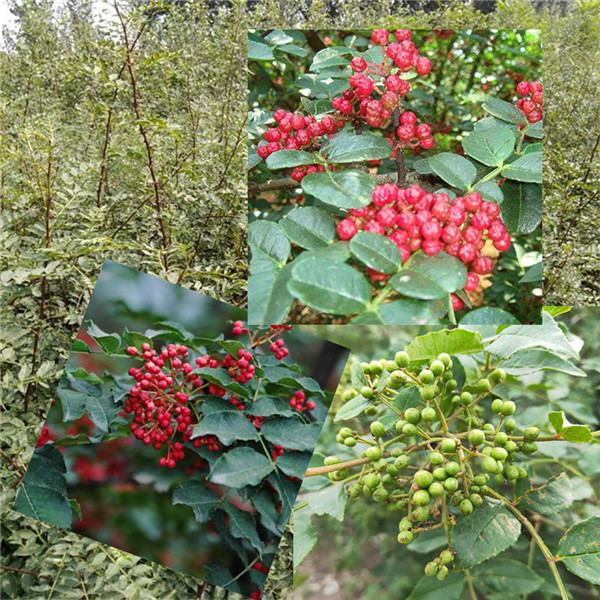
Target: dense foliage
[462, 455]
[386, 228]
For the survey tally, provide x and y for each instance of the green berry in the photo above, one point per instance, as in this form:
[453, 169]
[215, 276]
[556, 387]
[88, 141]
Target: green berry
[366, 392]
[367, 491]
[496, 376]
[481, 479]
[489, 464]
[420, 513]
[484, 386]
[442, 573]
[512, 472]
[529, 447]
[412, 415]
[402, 462]
[522, 473]
[435, 458]
[510, 425]
[451, 484]
[354, 490]
[448, 445]
[452, 468]
[499, 478]
[371, 411]
[451, 384]
[497, 406]
[455, 400]
[476, 500]
[508, 408]
[345, 432]
[499, 454]
[431, 568]
[446, 556]
[389, 365]
[387, 479]
[402, 359]
[349, 394]
[397, 379]
[488, 427]
[476, 437]
[421, 498]
[391, 469]
[435, 489]
[373, 453]
[439, 474]
[365, 367]
[426, 376]
[375, 367]
[531, 434]
[380, 494]
[405, 537]
[396, 452]
[428, 414]
[372, 480]
[399, 425]
[501, 438]
[350, 442]
[377, 429]
[405, 524]
[331, 460]
[380, 465]
[423, 478]
[466, 398]
[466, 507]
[409, 429]
[437, 367]
[445, 359]
[339, 439]
[456, 498]
[427, 393]
[510, 447]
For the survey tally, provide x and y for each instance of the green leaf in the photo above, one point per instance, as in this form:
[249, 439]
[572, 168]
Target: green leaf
[195, 494]
[270, 248]
[489, 316]
[535, 130]
[43, 493]
[308, 227]
[533, 274]
[487, 531]
[579, 549]
[293, 464]
[240, 467]
[429, 588]
[376, 251]
[291, 433]
[522, 206]
[109, 342]
[526, 168]
[455, 170]
[451, 341]
[285, 376]
[344, 189]
[253, 157]
[228, 427]
[269, 300]
[269, 407]
[534, 360]
[490, 191]
[330, 57]
[330, 500]
[258, 51]
[264, 503]
[134, 338]
[346, 147]
[573, 433]
[407, 397]
[352, 408]
[505, 111]
[490, 147]
[554, 311]
[242, 526]
[329, 286]
[551, 498]
[221, 377]
[430, 277]
[284, 159]
[305, 535]
[502, 576]
[398, 312]
[80, 346]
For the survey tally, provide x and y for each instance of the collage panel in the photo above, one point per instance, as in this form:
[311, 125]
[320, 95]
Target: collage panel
[395, 176]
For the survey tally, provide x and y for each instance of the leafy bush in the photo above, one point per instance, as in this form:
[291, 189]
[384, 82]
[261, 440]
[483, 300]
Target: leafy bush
[467, 438]
[424, 247]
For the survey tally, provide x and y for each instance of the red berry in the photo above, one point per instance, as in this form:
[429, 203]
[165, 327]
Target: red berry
[380, 37]
[472, 282]
[384, 194]
[408, 118]
[467, 252]
[423, 66]
[457, 303]
[346, 229]
[523, 88]
[473, 201]
[358, 64]
[482, 265]
[431, 230]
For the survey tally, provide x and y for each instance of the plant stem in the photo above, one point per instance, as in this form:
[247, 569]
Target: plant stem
[550, 559]
[470, 585]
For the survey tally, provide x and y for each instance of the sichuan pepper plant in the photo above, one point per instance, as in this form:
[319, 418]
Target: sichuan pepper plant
[231, 418]
[364, 240]
[434, 434]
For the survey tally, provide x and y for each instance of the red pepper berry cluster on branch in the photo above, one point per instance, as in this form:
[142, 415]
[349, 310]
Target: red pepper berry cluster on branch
[376, 89]
[531, 103]
[418, 220]
[166, 400]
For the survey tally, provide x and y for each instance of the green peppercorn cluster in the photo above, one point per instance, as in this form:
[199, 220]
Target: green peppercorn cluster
[431, 454]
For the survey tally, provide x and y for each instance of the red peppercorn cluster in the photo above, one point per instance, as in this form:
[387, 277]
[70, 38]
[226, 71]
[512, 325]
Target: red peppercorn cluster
[531, 103]
[255, 595]
[418, 220]
[376, 89]
[46, 435]
[299, 402]
[258, 566]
